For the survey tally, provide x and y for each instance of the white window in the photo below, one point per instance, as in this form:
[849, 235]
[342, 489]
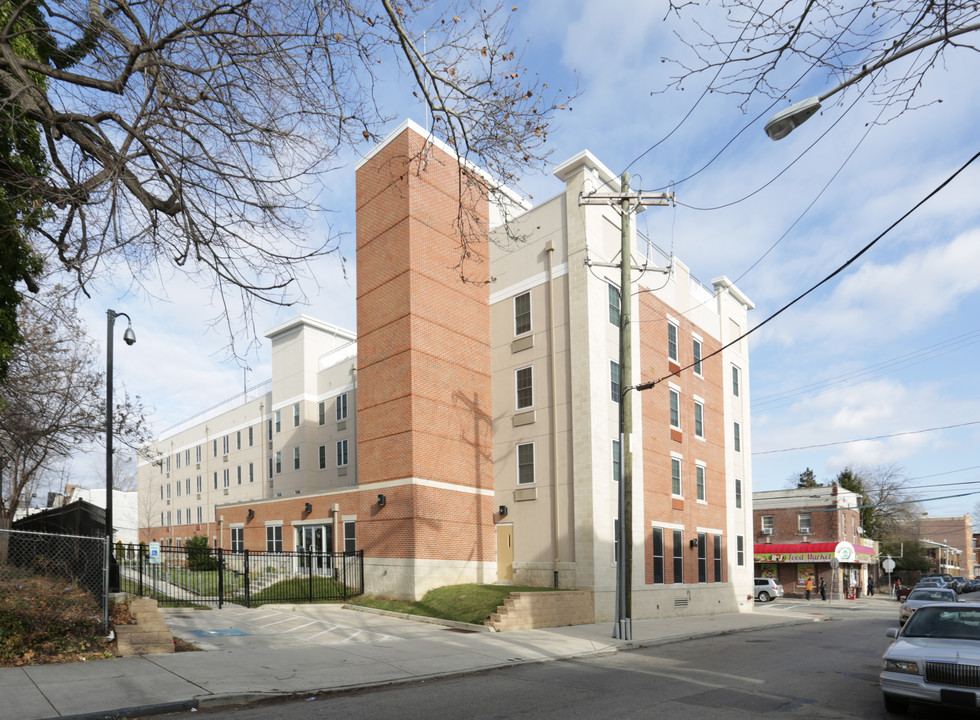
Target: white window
[251, 472]
[197, 453]
[200, 515]
[350, 536]
[214, 447]
[273, 538]
[187, 485]
[224, 445]
[616, 460]
[296, 458]
[697, 356]
[227, 478]
[238, 474]
[736, 380]
[321, 412]
[295, 414]
[738, 493]
[672, 341]
[278, 421]
[768, 524]
[216, 480]
[615, 382]
[199, 483]
[322, 452]
[178, 488]
[525, 464]
[676, 486]
[178, 461]
[740, 550]
[524, 379]
[237, 539]
[804, 524]
[522, 313]
[699, 419]
[342, 458]
[251, 436]
[699, 477]
[342, 407]
[614, 301]
[278, 462]
[738, 438]
[238, 439]
[675, 409]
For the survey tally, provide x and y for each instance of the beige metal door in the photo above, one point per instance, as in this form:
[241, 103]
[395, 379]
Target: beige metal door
[505, 553]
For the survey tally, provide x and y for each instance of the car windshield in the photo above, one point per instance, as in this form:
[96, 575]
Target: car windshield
[944, 622]
[934, 595]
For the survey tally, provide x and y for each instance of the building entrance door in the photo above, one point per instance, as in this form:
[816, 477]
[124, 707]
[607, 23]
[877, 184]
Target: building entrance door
[318, 540]
[505, 553]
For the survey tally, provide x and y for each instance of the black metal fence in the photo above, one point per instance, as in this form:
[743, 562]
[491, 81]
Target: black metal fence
[206, 576]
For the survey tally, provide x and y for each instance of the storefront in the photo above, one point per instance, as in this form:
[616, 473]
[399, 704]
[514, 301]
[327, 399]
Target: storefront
[791, 564]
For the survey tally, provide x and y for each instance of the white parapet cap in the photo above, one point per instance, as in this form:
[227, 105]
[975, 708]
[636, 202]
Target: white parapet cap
[725, 283]
[409, 124]
[312, 322]
[585, 160]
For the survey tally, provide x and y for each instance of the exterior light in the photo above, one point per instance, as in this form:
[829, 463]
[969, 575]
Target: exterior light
[251, 513]
[309, 507]
[503, 511]
[112, 584]
[382, 501]
[784, 122]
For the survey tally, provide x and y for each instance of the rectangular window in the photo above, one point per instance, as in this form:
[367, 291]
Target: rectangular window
[161, 518]
[273, 538]
[168, 491]
[699, 476]
[675, 409]
[615, 382]
[702, 558]
[187, 457]
[199, 483]
[278, 421]
[200, 515]
[525, 464]
[675, 476]
[740, 550]
[224, 445]
[278, 462]
[187, 486]
[214, 448]
[672, 342]
[350, 536]
[178, 461]
[342, 458]
[738, 438]
[768, 524]
[169, 518]
[216, 480]
[322, 453]
[524, 379]
[658, 556]
[342, 407]
[296, 458]
[678, 556]
[738, 493]
[178, 488]
[251, 472]
[251, 436]
[270, 468]
[699, 419]
[168, 463]
[803, 522]
[697, 356]
[295, 414]
[197, 453]
[616, 460]
[522, 313]
[735, 380]
[237, 539]
[270, 429]
[238, 474]
[718, 577]
[614, 300]
[161, 492]
[321, 413]
[227, 477]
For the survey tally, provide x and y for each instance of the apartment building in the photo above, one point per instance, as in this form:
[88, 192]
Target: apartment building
[469, 433]
[950, 540]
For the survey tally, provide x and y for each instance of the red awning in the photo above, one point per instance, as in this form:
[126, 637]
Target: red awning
[787, 548]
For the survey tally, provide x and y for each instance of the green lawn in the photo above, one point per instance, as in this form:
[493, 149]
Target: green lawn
[295, 590]
[462, 603]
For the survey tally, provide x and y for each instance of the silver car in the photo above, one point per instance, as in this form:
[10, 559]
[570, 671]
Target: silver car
[767, 589]
[923, 596]
[935, 658]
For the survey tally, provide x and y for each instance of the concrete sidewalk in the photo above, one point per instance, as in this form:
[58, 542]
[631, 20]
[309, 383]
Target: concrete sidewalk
[300, 651]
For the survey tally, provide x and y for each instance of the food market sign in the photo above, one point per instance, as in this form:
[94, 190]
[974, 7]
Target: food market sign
[845, 552]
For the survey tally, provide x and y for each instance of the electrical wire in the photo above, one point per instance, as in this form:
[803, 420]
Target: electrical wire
[868, 439]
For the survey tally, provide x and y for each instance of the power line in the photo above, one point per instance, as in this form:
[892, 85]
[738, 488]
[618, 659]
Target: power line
[877, 437]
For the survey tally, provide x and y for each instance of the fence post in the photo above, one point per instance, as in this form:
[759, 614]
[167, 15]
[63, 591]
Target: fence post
[105, 588]
[139, 553]
[309, 573]
[221, 576]
[248, 583]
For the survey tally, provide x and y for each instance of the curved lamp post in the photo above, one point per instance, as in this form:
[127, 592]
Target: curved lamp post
[129, 337]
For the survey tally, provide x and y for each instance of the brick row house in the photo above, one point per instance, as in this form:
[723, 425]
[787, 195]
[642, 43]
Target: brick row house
[469, 431]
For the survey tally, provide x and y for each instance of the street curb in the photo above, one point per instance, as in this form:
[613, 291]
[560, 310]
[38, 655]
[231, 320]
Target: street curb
[423, 619]
[131, 712]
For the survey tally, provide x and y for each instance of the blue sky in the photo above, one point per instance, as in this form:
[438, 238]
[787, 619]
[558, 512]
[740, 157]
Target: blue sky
[884, 349]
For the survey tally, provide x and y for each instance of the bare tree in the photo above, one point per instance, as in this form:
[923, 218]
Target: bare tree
[52, 402]
[885, 490]
[770, 46]
[190, 135]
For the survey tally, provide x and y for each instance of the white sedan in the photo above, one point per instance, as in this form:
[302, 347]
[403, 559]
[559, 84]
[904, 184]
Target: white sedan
[935, 658]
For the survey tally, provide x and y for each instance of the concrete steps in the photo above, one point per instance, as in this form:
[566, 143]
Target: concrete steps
[149, 636]
[528, 610]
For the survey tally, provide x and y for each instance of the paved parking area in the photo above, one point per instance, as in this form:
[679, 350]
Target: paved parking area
[272, 626]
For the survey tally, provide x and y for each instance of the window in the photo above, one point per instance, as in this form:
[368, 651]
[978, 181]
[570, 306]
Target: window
[270, 429]
[227, 477]
[738, 438]
[697, 356]
[672, 342]
[295, 414]
[525, 464]
[224, 445]
[321, 412]
[322, 453]
[238, 474]
[168, 463]
[675, 476]
[237, 539]
[675, 409]
[615, 384]
[200, 515]
[740, 550]
[178, 461]
[251, 472]
[718, 577]
[522, 313]
[214, 448]
[251, 436]
[738, 493]
[678, 556]
[735, 380]
[699, 419]
[702, 558]
[168, 491]
[273, 538]
[614, 300]
[169, 518]
[699, 477]
[525, 388]
[161, 518]
[803, 523]
[238, 439]
[278, 462]
[187, 486]
[199, 484]
[216, 480]
[768, 524]
[341, 407]
[187, 457]
[278, 421]
[616, 460]
[197, 453]
[342, 458]
[270, 468]
[296, 458]
[178, 488]
[658, 556]
[350, 536]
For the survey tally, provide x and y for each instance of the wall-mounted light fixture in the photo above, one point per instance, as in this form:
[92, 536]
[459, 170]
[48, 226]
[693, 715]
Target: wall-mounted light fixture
[251, 513]
[503, 511]
[309, 507]
[694, 543]
[382, 501]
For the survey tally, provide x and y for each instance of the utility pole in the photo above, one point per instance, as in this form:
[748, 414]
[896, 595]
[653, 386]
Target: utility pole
[627, 203]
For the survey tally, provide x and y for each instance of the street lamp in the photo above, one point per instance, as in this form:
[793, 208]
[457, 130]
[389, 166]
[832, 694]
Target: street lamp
[129, 337]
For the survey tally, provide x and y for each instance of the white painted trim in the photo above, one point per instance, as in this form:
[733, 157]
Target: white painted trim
[528, 284]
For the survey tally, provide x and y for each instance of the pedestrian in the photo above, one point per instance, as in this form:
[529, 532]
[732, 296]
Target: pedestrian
[823, 589]
[871, 587]
[809, 586]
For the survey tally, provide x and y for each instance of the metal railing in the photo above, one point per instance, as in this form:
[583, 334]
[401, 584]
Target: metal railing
[206, 576]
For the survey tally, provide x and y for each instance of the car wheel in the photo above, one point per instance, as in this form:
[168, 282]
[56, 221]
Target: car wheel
[896, 705]
[764, 596]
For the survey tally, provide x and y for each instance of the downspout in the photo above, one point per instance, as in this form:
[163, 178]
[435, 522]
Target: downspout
[552, 372]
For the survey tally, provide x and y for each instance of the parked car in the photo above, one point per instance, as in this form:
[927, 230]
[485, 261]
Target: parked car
[767, 589]
[934, 658]
[923, 596]
[931, 582]
[959, 583]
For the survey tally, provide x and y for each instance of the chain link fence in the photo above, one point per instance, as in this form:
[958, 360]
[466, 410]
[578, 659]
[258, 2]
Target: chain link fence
[36, 565]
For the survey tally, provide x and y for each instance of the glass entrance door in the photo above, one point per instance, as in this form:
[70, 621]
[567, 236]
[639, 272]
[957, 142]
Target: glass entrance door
[314, 543]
